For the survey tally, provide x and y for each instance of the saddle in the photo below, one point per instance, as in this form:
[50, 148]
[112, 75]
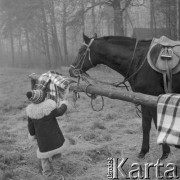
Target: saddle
[164, 57]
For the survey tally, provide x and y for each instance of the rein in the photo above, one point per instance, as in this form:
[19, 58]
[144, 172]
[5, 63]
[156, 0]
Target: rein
[87, 76]
[126, 78]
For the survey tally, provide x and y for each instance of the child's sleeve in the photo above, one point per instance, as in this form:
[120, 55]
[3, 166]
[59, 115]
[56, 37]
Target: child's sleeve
[31, 129]
[61, 110]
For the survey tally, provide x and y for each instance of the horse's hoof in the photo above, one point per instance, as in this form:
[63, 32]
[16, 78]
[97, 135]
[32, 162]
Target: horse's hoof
[164, 156]
[141, 155]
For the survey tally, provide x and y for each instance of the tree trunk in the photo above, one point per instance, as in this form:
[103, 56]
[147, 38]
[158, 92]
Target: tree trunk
[178, 19]
[168, 18]
[20, 49]
[125, 23]
[12, 47]
[152, 16]
[1, 51]
[45, 28]
[55, 42]
[118, 18]
[83, 17]
[174, 19]
[64, 32]
[28, 47]
[93, 18]
[35, 47]
[43, 43]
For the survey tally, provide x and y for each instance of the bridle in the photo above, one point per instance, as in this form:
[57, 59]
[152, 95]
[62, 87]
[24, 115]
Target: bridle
[83, 75]
[79, 66]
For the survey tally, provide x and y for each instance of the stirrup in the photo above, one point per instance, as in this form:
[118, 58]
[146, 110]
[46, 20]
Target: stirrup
[167, 54]
[61, 178]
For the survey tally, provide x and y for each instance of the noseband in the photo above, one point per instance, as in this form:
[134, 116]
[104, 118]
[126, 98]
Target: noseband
[79, 66]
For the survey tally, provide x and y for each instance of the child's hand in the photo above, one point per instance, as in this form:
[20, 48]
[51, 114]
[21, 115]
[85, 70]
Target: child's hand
[31, 138]
[64, 102]
[67, 94]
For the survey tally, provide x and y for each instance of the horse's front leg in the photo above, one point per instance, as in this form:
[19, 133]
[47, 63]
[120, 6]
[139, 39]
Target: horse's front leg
[146, 127]
[165, 147]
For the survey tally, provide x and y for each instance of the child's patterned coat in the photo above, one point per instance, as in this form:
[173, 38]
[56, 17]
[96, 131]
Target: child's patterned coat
[43, 126]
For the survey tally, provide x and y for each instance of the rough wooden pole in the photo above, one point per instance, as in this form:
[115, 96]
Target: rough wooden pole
[132, 97]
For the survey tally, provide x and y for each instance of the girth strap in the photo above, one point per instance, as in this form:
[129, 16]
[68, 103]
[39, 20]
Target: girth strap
[167, 78]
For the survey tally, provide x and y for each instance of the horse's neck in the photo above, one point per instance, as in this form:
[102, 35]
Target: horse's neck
[128, 62]
[119, 65]
[117, 68]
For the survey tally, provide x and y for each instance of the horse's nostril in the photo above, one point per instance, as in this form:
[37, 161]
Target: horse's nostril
[70, 72]
[74, 72]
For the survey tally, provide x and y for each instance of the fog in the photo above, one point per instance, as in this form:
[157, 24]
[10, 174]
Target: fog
[48, 33]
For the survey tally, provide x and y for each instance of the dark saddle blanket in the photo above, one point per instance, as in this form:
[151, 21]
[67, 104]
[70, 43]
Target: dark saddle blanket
[164, 54]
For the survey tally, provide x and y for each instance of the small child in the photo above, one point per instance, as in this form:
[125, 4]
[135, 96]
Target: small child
[43, 127]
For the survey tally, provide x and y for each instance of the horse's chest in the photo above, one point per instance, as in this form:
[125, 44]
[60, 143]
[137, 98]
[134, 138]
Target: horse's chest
[176, 83]
[151, 82]
[148, 82]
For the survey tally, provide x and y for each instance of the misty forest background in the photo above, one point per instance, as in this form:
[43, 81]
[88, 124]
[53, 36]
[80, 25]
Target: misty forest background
[48, 33]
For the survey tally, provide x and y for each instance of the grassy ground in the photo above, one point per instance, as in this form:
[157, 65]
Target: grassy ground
[92, 136]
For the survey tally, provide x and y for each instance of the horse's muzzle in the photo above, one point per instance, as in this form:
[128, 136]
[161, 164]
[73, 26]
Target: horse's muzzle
[74, 72]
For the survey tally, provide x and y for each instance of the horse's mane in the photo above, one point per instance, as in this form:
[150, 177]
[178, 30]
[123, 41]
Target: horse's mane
[120, 39]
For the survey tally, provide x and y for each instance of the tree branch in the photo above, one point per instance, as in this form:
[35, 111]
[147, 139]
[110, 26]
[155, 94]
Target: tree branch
[128, 2]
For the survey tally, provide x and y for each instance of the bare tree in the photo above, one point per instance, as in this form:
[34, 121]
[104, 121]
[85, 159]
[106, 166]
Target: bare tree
[93, 17]
[83, 16]
[12, 44]
[64, 30]
[28, 46]
[45, 33]
[55, 41]
[178, 19]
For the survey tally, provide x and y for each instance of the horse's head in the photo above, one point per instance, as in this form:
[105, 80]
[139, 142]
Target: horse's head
[85, 59]
[112, 51]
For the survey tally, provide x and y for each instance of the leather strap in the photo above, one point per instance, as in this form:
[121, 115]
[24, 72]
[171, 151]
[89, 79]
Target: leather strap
[167, 78]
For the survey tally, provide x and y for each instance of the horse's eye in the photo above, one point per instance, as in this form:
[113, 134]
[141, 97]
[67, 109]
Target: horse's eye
[81, 52]
[82, 49]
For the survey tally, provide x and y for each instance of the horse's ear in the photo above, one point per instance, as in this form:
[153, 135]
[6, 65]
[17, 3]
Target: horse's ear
[95, 35]
[86, 39]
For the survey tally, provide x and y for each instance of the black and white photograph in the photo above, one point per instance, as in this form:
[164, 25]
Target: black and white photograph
[89, 89]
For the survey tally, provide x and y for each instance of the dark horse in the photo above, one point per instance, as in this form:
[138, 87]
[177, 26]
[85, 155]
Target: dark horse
[127, 56]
